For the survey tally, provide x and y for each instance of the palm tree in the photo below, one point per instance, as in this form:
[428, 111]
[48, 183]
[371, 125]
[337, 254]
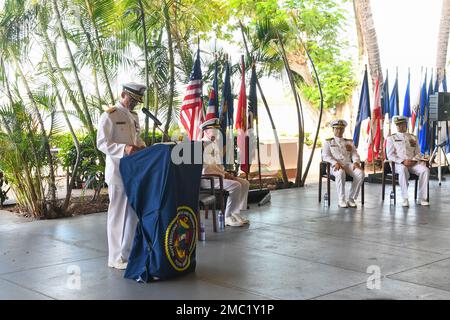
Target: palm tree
[101, 15]
[75, 72]
[367, 37]
[13, 26]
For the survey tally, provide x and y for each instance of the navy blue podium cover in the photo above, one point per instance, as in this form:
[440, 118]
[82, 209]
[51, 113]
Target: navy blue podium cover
[165, 198]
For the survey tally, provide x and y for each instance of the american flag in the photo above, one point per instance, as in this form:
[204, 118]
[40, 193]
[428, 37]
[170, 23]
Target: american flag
[191, 114]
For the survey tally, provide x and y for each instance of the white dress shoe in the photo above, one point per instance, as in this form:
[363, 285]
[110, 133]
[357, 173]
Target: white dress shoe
[233, 222]
[240, 218]
[424, 202]
[351, 203]
[343, 203]
[405, 203]
[118, 265]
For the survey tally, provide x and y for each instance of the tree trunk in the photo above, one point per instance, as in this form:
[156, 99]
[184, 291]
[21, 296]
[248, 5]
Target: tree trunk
[94, 62]
[301, 132]
[359, 33]
[363, 16]
[297, 63]
[442, 45]
[274, 129]
[305, 175]
[171, 70]
[147, 78]
[71, 183]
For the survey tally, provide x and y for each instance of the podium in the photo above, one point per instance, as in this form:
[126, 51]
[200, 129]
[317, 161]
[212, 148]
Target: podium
[162, 184]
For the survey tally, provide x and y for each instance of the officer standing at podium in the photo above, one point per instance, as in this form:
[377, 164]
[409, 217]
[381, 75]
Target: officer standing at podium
[403, 149]
[118, 136]
[344, 159]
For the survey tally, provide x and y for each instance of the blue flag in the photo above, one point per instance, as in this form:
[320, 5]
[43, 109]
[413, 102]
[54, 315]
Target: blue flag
[394, 100]
[164, 196]
[423, 117]
[407, 103]
[363, 108]
[226, 105]
[385, 96]
[430, 90]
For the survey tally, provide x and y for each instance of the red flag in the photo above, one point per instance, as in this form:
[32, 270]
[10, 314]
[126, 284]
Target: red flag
[241, 124]
[375, 125]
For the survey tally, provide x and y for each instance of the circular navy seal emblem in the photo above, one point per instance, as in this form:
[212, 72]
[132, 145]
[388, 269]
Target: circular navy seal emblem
[181, 238]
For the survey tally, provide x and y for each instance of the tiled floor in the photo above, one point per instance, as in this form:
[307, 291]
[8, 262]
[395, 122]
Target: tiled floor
[294, 248]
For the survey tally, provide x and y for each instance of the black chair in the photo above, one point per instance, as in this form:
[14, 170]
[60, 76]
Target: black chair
[325, 169]
[207, 200]
[219, 194]
[388, 168]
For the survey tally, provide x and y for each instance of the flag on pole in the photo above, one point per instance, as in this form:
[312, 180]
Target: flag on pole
[252, 99]
[385, 95]
[226, 107]
[423, 118]
[241, 123]
[430, 134]
[363, 108]
[191, 114]
[374, 126]
[252, 114]
[394, 100]
[416, 108]
[407, 102]
[226, 117]
[212, 110]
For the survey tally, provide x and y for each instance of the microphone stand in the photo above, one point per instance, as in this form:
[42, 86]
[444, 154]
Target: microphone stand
[156, 123]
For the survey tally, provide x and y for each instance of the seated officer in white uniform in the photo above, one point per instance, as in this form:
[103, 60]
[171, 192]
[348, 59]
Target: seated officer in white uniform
[344, 159]
[212, 164]
[403, 149]
[118, 136]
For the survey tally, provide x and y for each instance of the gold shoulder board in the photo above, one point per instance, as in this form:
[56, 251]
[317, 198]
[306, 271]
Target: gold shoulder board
[111, 109]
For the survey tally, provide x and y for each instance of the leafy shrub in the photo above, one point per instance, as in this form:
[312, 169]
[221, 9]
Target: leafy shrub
[90, 171]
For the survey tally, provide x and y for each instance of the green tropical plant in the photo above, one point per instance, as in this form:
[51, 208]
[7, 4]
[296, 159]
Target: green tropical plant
[3, 191]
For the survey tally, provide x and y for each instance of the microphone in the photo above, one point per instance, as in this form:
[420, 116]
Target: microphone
[151, 116]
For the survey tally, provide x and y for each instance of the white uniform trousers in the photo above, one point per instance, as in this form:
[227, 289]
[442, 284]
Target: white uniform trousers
[340, 175]
[418, 169]
[121, 226]
[237, 194]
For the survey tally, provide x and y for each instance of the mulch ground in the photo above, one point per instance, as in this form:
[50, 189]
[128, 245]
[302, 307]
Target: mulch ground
[78, 206]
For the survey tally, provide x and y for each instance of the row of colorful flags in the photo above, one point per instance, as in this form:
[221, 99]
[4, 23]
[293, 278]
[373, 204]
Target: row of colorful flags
[386, 106]
[193, 113]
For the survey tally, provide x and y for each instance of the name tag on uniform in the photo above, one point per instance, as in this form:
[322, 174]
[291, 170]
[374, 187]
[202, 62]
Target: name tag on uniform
[121, 122]
[398, 140]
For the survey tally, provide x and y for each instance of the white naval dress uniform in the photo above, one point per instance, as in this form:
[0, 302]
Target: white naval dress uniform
[343, 151]
[237, 188]
[117, 128]
[404, 146]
